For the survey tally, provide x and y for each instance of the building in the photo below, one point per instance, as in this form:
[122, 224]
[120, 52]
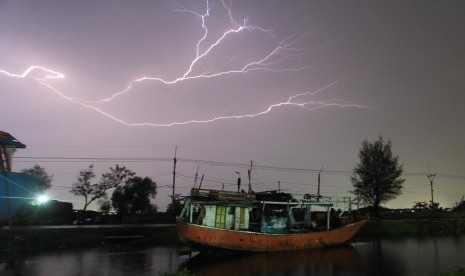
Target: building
[15, 188]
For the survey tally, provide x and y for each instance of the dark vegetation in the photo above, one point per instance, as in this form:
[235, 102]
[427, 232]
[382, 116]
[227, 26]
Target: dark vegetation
[61, 213]
[393, 228]
[457, 271]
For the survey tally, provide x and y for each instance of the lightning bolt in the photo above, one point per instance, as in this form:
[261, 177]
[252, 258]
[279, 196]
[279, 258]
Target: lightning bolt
[28, 71]
[282, 51]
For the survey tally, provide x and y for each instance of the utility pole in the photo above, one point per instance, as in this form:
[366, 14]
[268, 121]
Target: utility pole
[174, 170]
[431, 177]
[238, 182]
[319, 179]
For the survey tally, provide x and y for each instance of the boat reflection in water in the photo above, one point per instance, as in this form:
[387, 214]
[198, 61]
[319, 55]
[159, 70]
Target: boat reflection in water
[319, 261]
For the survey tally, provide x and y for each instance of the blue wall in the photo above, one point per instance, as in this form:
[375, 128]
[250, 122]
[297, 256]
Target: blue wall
[21, 189]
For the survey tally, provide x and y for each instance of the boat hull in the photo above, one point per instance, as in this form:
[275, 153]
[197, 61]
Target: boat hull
[203, 236]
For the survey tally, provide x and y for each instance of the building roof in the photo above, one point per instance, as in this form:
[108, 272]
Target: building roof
[9, 141]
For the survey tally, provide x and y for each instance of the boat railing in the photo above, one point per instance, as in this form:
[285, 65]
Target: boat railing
[222, 195]
[297, 203]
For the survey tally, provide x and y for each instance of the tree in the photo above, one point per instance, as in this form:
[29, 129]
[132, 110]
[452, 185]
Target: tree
[45, 180]
[376, 178]
[111, 179]
[134, 197]
[420, 206]
[116, 176]
[104, 206]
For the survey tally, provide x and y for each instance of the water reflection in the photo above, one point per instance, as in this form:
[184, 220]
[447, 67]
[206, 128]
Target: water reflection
[408, 256]
[412, 256]
[95, 262]
[309, 262]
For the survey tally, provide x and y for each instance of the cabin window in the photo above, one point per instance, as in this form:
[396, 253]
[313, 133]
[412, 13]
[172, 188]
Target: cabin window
[242, 217]
[220, 221]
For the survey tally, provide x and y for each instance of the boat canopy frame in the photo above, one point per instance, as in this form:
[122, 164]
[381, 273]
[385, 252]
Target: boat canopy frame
[309, 205]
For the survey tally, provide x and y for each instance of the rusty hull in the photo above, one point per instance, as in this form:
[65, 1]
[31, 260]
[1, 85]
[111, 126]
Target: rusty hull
[262, 242]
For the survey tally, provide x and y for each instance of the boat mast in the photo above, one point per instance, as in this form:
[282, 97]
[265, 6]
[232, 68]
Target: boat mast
[201, 180]
[196, 176]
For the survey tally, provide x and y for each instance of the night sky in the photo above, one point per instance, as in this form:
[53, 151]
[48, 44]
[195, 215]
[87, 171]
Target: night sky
[287, 84]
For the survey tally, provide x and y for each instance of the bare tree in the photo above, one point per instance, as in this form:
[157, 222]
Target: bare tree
[92, 191]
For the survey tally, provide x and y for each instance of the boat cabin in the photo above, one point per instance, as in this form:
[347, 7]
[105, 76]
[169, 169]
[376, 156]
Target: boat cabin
[264, 212]
[218, 209]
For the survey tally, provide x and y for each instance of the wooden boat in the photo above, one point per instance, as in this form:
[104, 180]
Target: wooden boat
[258, 222]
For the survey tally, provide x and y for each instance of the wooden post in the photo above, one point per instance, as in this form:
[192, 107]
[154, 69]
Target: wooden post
[328, 218]
[174, 170]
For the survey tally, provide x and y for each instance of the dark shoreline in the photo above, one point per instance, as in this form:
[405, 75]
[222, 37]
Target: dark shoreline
[29, 239]
[392, 228]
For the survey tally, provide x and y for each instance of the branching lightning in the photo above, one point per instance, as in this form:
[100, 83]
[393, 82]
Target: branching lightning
[264, 63]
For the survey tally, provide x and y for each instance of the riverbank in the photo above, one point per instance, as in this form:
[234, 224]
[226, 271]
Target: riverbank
[385, 228]
[24, 240]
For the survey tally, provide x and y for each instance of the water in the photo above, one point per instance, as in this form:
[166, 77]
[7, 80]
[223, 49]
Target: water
[409, 256]
[102, 262]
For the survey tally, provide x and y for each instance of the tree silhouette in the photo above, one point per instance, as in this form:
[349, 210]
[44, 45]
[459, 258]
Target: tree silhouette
[376, 178]
[45, 180]
[134, 197]
[92, 191]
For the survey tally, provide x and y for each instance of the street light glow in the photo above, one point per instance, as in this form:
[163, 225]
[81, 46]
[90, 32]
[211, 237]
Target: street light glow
[42, 199]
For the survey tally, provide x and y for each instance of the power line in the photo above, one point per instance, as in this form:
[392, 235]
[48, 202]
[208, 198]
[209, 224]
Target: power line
[62, 159]
[87, 159]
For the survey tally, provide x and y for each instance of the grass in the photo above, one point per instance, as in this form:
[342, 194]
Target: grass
[457, 271]
[399, 228]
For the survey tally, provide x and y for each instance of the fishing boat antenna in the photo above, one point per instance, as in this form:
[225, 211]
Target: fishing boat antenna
[249, 171]
[201, 180]
[196, 176]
